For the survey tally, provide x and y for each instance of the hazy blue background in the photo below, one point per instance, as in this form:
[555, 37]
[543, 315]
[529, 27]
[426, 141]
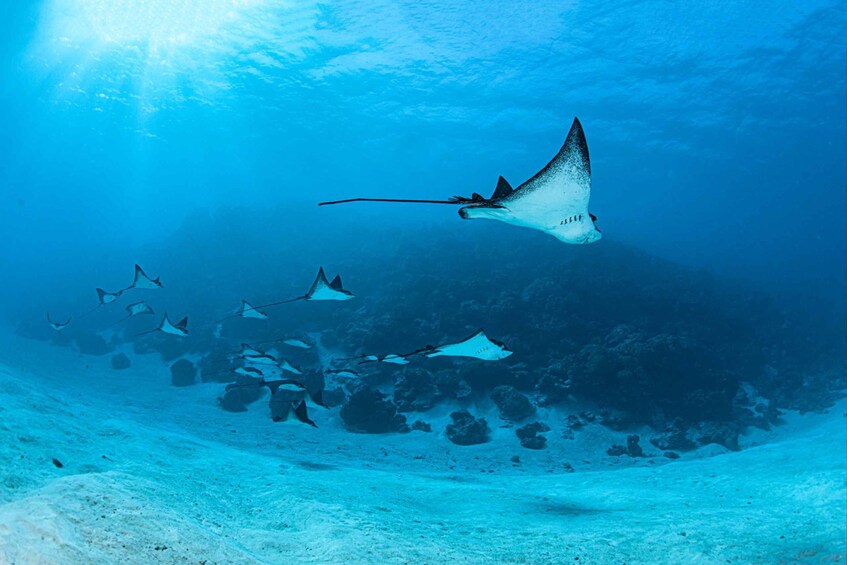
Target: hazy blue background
[717, 132]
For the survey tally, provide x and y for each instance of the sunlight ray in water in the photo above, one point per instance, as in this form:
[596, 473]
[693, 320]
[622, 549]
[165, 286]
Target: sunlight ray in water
[159, 24]
[152, 53]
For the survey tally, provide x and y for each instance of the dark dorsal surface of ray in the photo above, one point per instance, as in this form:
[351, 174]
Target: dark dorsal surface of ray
[302, 414]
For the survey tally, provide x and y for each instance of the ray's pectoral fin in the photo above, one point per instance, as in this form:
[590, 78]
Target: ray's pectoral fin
[302, 414]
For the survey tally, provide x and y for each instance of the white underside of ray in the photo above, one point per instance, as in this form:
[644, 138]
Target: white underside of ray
[247, 311]
[268, 371]
[259, 360]
[478, 347]
[556, 205]
[546, 201]
[143, 283]
[168, 328]
[322, 290]
[294, 342]
[139, 309]
[286, 366]
[326, 292]
[344, 374]
[555, 200]
[395, 359]
[246, 350]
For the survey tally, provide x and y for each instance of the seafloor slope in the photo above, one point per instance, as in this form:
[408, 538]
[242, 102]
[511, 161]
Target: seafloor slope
[156, 474]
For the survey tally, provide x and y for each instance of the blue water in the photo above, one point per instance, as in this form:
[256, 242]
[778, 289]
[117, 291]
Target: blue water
[197, 137]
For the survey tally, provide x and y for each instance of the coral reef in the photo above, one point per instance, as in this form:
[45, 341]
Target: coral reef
[466, 429]
[674, 438]
[530, 437]
[415, 390]
[420, 425]
[632, 448]
[369, 411]
[183, 373]
[513, 405]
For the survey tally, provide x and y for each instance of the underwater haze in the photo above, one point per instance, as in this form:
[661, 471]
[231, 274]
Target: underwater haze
[666, 385]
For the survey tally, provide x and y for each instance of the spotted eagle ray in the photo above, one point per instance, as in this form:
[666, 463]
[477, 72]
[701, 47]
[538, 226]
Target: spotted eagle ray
[342, 373]
[287, 396]
[249, 371]
[554, 200]
[292, 341]
[247, 310]
[179, 329]
[286, 366]
[281, 406]
[58, 326]
[391, 358]
[141, 281]
[107, 297]
[477, 346]
[298, 343]
[103, 298]
[259, 359]
[136, 309]
[247, 349]
[321, 290]
[295, 391]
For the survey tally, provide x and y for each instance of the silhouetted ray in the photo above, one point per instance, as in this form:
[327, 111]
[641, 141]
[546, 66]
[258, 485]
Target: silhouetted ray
[58, 326]
[179, 329]
[136, 309]
[320, 290]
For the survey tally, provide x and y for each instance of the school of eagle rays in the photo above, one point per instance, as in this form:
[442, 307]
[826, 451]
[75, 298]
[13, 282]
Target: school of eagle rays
[554, 201]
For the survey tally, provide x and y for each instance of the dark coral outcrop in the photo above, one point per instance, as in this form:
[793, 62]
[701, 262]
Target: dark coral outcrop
[369, 411]
[513, 405]
[530, 435]
[120, 362]
[183, 373]
[632, 448]
[415, 390]
[466, 429]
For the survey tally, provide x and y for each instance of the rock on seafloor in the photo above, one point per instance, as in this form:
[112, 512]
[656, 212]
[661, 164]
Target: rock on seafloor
[369, 411]
[466, 429]
[120, 362]
[183, 373]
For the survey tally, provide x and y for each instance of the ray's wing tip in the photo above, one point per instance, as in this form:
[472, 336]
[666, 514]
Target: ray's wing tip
[576, 127]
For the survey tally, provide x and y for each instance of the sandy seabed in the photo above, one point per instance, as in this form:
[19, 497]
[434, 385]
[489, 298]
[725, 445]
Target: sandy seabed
[155, 474]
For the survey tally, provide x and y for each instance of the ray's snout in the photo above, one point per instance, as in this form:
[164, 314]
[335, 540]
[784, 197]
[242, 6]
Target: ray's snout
[474, 212]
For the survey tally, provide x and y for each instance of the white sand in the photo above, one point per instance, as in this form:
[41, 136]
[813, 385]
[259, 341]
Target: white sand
[156, 474]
